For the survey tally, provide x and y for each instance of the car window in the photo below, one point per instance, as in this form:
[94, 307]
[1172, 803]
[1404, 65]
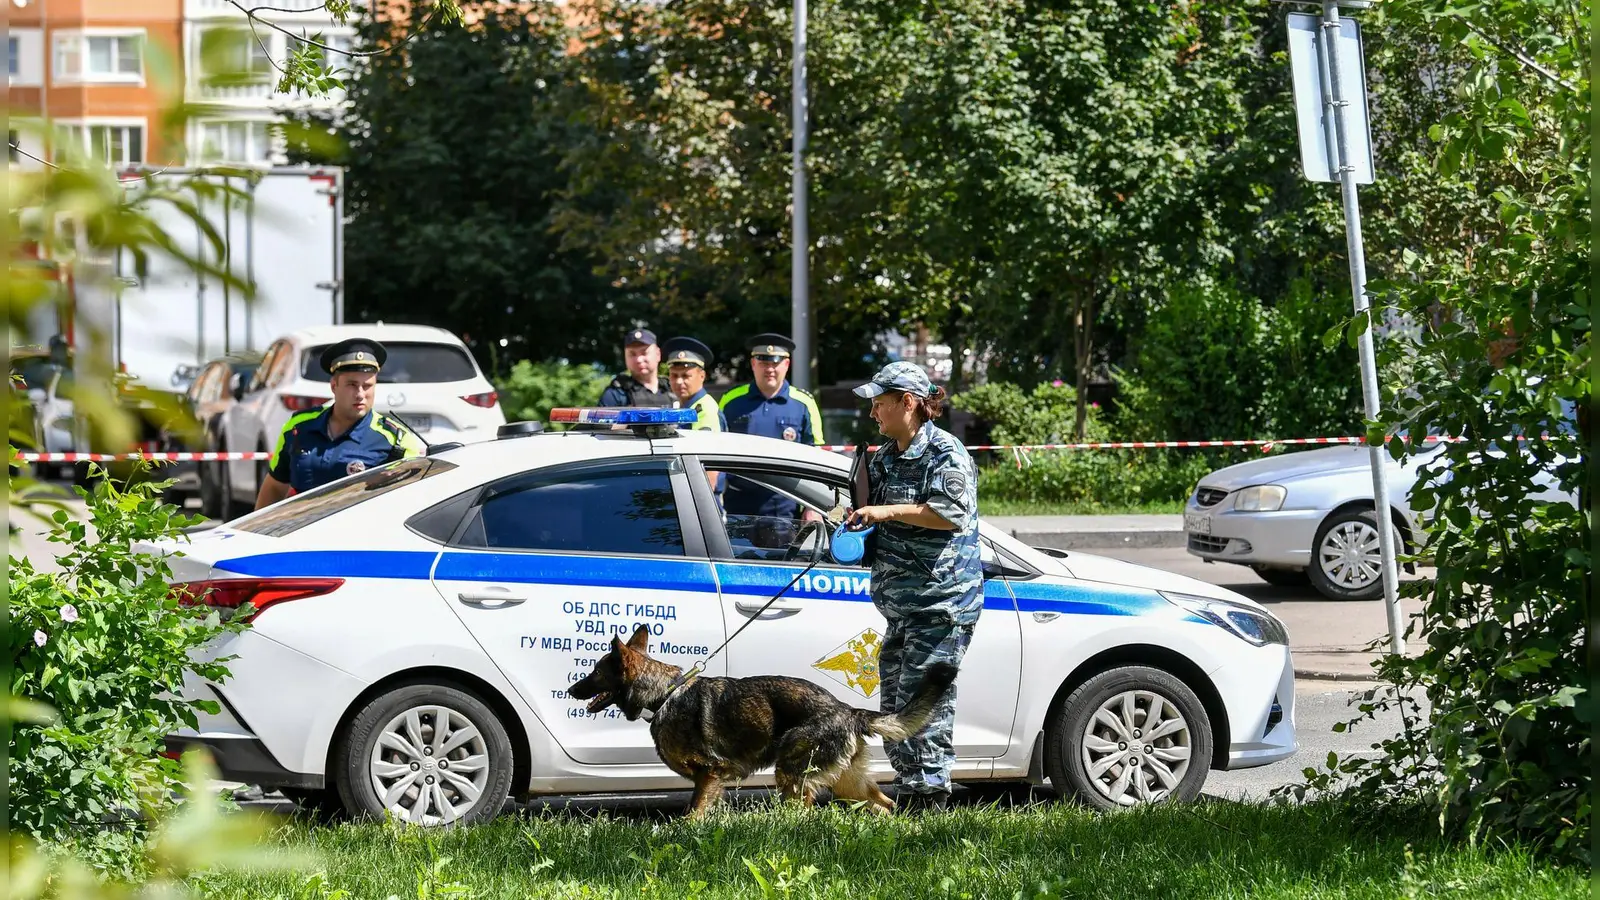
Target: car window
[407, 363]
[764, 511]
[264, 371]
[618, 509]
[313, 506]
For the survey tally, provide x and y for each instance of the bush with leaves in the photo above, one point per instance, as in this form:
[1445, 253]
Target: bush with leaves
[533, 389]
[1043, 416]
[1505, 751]
[104, 644]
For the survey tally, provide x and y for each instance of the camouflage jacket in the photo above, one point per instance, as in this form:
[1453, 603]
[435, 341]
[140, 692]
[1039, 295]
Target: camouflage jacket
[918, 569]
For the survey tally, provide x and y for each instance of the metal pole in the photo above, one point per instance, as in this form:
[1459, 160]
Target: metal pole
[1338, 109]
[800, 279]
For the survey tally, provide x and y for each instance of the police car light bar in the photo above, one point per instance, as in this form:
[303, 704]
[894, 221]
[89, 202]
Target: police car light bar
[590, 415]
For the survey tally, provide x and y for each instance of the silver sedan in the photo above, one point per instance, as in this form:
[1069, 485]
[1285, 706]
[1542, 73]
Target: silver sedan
[1309, 516]
[1305, 516]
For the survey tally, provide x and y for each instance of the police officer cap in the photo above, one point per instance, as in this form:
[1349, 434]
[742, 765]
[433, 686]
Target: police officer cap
[771, 345]
[686, 351]
[639, 336]
[898, 376]
[354, 355]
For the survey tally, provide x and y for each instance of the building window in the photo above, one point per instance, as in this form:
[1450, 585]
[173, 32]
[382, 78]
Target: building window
[235, 142]
[336, 58]
[117, 146]
[234, 56]
[13, 52]
[96, 57]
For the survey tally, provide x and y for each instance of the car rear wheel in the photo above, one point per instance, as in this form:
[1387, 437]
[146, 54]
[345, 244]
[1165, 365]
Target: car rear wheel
[1283, 577]
[1345, 560]
[1129, 736]
[426, 754]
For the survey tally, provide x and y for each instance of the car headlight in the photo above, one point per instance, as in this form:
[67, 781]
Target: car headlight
[1255, 626]
[1260, 498]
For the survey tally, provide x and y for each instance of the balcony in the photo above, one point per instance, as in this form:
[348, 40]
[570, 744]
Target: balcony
[259, 95]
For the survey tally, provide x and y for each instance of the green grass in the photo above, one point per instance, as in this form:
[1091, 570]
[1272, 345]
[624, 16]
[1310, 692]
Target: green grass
[1216, 850]
[1003, 507]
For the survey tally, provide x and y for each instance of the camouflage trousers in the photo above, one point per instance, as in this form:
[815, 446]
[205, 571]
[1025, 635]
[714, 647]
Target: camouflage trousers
[922, 763]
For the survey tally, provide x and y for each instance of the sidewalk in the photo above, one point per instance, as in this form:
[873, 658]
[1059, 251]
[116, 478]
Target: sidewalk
[1094, 532]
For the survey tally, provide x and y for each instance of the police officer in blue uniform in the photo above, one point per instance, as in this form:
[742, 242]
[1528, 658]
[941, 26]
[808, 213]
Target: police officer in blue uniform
[641, 384]
[769, 405]
[344, 437]
[927, 573]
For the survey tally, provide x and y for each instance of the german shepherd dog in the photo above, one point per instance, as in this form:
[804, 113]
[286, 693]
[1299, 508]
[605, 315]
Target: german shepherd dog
[716, 730]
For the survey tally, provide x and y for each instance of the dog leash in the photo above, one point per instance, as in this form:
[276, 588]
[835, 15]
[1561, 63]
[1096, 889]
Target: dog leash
[695, 670]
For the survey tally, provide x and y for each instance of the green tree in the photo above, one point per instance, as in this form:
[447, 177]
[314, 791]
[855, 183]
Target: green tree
[1502, 361]
[455, 150]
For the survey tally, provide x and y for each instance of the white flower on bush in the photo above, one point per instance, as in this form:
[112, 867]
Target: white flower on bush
[39, 638]
[69, 613]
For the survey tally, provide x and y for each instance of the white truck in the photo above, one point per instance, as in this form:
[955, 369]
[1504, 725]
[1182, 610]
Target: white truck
[282, 231]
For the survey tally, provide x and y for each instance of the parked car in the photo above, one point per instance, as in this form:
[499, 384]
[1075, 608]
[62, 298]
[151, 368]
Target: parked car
[209, 390]
[418, 625]
[430, 382]
[1309, 517]
[42, 415]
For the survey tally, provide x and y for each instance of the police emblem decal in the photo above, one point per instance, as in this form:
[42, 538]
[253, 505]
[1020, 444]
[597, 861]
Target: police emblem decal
[854, 663]
[955, 484]
[355, 467]
[789, 434]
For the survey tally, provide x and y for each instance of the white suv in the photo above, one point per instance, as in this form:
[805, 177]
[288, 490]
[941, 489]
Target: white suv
[430, 382]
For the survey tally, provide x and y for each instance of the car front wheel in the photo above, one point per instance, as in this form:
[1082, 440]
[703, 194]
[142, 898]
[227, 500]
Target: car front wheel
[1128, 737]
[426, 754]
[1345, 560]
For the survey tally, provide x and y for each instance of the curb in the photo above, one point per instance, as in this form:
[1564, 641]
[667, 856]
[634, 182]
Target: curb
[1103, 540]
[1318, 675]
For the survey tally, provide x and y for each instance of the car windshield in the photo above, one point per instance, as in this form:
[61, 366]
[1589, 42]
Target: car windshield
[297, 512]
[408, 363]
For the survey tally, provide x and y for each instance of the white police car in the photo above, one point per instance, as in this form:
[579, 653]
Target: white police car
[418, 626]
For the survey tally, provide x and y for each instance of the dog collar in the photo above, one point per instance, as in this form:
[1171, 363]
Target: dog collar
[677, 684]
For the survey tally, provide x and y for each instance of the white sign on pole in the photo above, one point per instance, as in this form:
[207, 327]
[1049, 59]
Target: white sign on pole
[1308, 61]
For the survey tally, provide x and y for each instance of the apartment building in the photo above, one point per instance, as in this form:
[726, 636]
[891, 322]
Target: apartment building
[102, 71]
[107, 72]
[233, 67]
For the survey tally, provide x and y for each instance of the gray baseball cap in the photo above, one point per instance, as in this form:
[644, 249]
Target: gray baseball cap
[898, 376]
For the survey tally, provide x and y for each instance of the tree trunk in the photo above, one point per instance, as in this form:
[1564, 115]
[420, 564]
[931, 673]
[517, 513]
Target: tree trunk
[956, 340]
[1083, 343]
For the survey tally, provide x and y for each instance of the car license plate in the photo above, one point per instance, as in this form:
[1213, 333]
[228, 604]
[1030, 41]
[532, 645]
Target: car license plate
[1197, 523]
[419, 424]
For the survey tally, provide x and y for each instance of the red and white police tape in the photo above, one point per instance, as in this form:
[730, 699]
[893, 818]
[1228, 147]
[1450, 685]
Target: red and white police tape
[1265, 444]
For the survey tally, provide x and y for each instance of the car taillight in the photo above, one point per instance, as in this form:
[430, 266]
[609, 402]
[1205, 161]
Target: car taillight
[296, 403]
[484, 400]
[233, 593]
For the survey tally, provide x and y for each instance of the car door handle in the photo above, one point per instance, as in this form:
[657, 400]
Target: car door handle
[775, 611]
[490, 598]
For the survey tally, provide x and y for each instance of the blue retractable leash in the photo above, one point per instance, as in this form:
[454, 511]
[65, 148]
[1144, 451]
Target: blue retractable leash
[848, 544]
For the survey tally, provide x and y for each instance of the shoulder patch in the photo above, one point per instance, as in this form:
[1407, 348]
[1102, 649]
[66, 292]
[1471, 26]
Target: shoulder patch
[954, 484]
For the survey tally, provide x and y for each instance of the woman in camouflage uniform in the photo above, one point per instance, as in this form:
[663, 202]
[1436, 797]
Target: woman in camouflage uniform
[927, 577]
